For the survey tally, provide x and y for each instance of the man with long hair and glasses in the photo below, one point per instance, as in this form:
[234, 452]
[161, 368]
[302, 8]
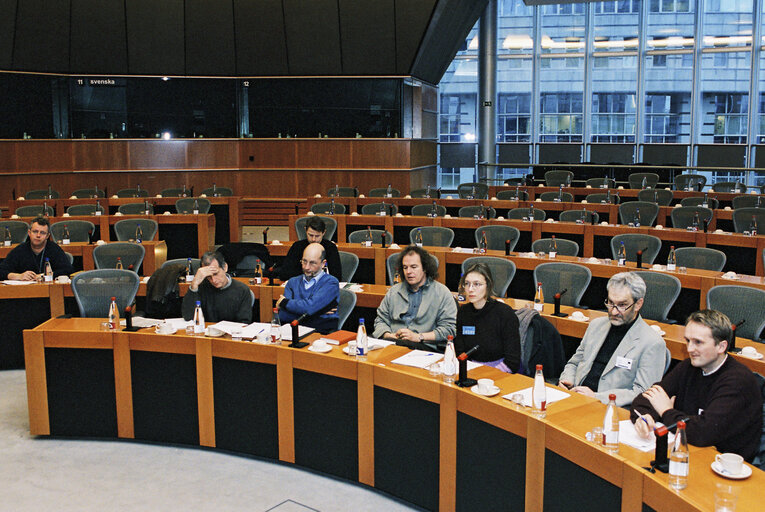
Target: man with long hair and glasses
[619, 353]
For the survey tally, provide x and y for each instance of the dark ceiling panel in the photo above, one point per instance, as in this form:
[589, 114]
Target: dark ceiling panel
[210, 38]
[155, 37]
[412, 18]
[7, 26]
[261, 48]
[42, 36]
[313, 37]
[98, 37]
[368, 37]
[449, 26]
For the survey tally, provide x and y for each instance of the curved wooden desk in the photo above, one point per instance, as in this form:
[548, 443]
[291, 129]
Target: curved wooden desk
[444, 448]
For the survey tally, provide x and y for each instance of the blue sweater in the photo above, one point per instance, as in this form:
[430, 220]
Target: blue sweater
[315, 302]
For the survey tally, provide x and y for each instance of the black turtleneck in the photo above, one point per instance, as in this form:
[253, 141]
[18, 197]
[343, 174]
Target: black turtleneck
[613, 338]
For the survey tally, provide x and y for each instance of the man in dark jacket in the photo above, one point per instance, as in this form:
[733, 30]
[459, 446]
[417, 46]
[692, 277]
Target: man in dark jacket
[314, 230]
[26, 262]
[221, 296]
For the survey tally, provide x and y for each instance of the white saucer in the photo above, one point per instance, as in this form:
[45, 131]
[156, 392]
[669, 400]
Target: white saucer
[495, 390]
[758, 356]
[746, 471]
[207, 333]
[320, 351]
[580, 319]
[167, 333]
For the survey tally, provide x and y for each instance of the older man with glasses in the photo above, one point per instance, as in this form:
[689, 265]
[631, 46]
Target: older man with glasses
[26, 261]
[619, 353]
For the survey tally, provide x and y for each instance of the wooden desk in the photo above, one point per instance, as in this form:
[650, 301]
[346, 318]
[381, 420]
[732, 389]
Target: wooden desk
[460, 449]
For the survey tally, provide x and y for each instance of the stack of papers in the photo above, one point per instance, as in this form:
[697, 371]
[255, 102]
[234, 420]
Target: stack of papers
[629, 436]
[13, 282]
[252, 330]
[141, 322]
[418, 359]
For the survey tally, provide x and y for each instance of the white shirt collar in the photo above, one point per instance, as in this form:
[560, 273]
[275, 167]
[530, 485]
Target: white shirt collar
[705, 374]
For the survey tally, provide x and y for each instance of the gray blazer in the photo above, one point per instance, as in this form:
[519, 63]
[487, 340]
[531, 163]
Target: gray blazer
[437, 311]
[641, 348]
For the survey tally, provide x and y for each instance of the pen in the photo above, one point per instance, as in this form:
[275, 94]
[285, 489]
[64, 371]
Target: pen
[645, 420]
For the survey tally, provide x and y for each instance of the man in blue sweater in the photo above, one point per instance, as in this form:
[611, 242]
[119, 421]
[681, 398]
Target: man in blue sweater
[314, 293]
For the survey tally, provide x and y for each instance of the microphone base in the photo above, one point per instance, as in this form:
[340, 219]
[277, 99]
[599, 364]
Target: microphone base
[132, 329]
[297, 344]
[663, 467]
[560, 315]
[466, 383]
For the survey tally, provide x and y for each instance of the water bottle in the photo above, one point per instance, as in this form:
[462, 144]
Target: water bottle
[48, 277]
[605, 182]
[258, 274]
[418, 238]
[753, 226]
[183, 192]
[450, 361]
[367, 242]
[8, 239]
[138, 234]
[382, 211]
[560, 194]
[276, 329]
[146, 209]
[433, 210]
[539, 394]
[137, 190]
[119, 263]
[389, 191]
[611, 425]
[50, 192]
[97, 211]
[199, 319]
[332, 206]
[531, 213]
[539, 298]
[189, 271]
[196, 207]
[517, 192]
[427, 192]
[705, 203]
[114, 315]
[644, 183]
[553, 247]
[482, 245]
[671, 259]
[337, 190]
[361, 341]
[695, 222]
[215, 190]
[621, 255]
[65, 238]
[608, 197]
[678, 459]
[582, 217]
[44, 212]
[636, 220]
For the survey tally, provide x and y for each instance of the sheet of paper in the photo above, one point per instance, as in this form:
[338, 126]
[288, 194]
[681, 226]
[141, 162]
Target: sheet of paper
[13, 282]
[228, 327]
[553, 395]
[302, 331]
[629, 436]
[178, 323]
[139, 321]
[418, 358]
[373, 344]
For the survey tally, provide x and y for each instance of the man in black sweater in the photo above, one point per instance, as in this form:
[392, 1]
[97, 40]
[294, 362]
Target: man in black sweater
[314, 231]
[719, 396]
[26, 262]
[221, 296]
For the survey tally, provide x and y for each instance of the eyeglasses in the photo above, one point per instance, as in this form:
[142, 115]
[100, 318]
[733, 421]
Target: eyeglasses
[474, 285]
[38, 232]
[311, 263]
[621, 308]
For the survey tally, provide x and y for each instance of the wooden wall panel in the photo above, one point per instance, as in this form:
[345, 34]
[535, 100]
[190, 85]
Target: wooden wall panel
[7, 156]
[170, 154]
[44, 155]
[209, 154]
[423, 152]
[267, 154]
[384, 154]
[317, 154]
[100, 154]
[267, 183]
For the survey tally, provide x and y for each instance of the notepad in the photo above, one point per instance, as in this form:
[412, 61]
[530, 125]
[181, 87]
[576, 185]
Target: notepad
[418, 359]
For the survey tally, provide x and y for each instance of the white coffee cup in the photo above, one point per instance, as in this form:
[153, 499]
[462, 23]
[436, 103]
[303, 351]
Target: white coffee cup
[577, 315]
[749, 351]
[485, 386]
[320, 345]
[164, 328]
[731, 462]
[214, 332]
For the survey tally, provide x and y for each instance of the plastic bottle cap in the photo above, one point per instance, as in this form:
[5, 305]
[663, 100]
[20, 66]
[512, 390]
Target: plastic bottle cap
[199, 303]
[681, 424]
[361, 321]
[612, 397]
[539, 367]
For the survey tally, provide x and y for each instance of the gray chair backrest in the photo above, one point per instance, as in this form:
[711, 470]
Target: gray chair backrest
[555, 277]
[740, 303]
[94, 289]
[472, 211]
[247, 265]
[660, 196]
[391, 263]
[359, 236]
[636, 179]
[343, 192]
[748, 201]
[18, 228]
[69, 257]
[346, 303]
[85, 209]
[576, 216]
[729, 186]
[105, 256]
[135, 209]
[186, 205]
[566, 197]
[79, 230]
[34, 211]
[565, 247]
[83, 193]
[502, 271]
[648, 212]
[195, 263]
[520, 213]
[496, 235]
[599, 197]
[712, 202]
[132, 192]
[424, 210]
[599, 182]
[473, 191]
[41, 194]
[704, 258]
[383, 192]
[176, 192]
[436, 236]
[634, 242]
[692, 181]
[556, 178]
[374, 208]
[325, 207]
[423, 192]
[218, 192]
[661, 293]
[513, 195]
[328, 221]
[682, 217]
[125, 229]
[349, 263]
[516, 181]
[742, 219]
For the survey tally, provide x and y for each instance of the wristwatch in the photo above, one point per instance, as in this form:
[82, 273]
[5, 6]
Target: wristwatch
[421, 338]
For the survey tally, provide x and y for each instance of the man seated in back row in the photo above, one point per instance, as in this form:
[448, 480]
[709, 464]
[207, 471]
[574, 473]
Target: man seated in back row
[718, 395]
[314, 231]
[222, 297]
[26, 261]
[314, 295]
